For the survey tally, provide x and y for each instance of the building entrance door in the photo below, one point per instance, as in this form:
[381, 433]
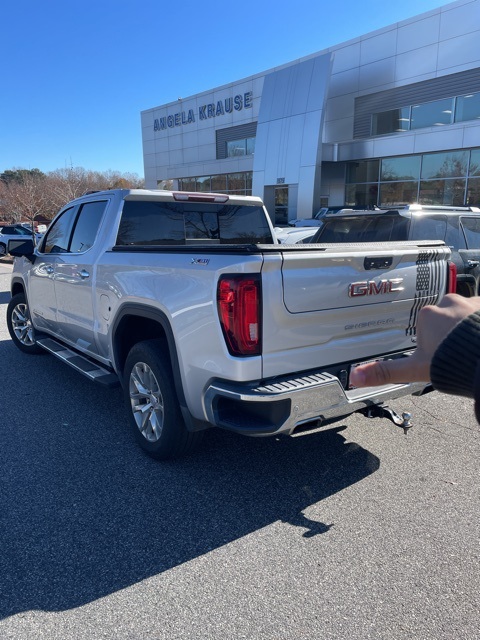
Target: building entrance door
[281, 205]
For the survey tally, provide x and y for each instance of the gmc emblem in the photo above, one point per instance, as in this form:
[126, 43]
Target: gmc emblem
[372, 288]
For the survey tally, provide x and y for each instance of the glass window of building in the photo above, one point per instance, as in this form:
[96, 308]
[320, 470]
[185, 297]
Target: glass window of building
[236, 148]
[187, 184]
[363, 171]
[203, 184]
[447, 192]
[467, 107]
[396, 194]
[219, 183]
[401, 168]
[243, 147]
[473, 192]
[427, 114]
[432, 114]
[391, 121]
[363, 195]
[443, 174]
[450, 164]
[236, 183]
[474, 169]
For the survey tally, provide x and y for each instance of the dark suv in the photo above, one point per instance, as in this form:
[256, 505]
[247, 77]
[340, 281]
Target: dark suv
[11, 232]
[458, 227]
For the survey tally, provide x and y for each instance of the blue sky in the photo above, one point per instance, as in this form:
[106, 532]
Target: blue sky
[76, 75]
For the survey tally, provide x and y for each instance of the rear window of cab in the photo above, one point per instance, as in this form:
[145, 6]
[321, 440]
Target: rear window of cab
[148, 223]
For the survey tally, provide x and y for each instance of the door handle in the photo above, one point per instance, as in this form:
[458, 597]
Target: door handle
[84, 274]
[471, 264]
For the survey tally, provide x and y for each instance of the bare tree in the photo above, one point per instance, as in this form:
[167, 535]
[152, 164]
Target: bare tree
[69, 183]
[23, 195]
[26, 193]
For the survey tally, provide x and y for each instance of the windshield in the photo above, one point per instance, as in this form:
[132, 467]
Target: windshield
[365, 228]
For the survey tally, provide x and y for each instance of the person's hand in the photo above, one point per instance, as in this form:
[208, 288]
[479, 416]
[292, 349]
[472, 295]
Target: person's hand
[434, 323]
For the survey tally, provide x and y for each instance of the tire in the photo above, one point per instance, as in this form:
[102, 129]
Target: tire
[20, 326]
[152, 403]
[3, 250]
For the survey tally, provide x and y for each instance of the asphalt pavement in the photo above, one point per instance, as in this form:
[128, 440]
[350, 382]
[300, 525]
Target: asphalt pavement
[356, 531]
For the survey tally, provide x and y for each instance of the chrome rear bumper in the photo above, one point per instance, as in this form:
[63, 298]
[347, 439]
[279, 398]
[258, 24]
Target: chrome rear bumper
[281, 405]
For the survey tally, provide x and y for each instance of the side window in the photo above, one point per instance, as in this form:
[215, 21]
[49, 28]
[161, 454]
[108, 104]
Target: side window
[431, 228]
[454, 237]
[86, 226]
[471, 228]
[58, 236]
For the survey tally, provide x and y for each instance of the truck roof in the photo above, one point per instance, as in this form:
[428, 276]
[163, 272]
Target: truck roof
[171, 196]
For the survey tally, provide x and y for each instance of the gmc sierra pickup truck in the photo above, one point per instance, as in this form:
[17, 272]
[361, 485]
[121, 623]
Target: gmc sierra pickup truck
[190, 303]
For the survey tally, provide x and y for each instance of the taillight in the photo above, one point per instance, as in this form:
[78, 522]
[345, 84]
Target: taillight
[238, 300]
[452, 278]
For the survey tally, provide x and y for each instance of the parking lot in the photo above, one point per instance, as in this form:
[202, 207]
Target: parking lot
[355, 531]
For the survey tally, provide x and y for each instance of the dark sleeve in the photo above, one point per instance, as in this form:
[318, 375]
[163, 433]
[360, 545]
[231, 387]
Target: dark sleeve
[455, 367]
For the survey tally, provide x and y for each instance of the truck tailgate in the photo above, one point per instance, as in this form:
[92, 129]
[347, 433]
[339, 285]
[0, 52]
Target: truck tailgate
[343, 303]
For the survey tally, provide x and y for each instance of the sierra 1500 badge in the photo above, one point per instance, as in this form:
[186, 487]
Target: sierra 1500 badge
[372, 288]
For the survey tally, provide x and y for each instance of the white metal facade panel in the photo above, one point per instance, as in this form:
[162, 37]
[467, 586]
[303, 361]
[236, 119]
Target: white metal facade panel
[419, 34]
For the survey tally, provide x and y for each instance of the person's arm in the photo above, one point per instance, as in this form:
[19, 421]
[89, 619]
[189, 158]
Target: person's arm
[447, 353]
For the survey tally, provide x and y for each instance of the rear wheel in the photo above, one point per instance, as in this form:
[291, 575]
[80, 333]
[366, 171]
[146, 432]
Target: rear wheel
[154, 411]
[3, 250]
[20, 326]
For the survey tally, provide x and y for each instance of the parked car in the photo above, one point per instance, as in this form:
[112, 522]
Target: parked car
[316, 220]
[39, 228]
[292, 235]
[13, 232]
[458, 227]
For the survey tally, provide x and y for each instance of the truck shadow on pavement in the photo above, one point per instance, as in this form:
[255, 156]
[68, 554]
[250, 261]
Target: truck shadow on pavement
[84, 513]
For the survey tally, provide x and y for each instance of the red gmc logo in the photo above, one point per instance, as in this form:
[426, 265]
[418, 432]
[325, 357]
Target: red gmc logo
[372, 288]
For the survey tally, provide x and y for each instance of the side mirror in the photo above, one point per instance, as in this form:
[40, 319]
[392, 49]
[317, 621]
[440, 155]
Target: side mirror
[19, 248]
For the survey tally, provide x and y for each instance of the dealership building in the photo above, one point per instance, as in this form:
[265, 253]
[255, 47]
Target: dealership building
[389, 118]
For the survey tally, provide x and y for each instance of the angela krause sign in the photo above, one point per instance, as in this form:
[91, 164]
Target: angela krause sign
[205, 111]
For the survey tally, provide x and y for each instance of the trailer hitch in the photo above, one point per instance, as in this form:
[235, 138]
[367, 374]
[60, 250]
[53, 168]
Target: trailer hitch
[382, 411]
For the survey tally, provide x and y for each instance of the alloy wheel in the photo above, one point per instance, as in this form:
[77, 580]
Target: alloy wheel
[146, 401]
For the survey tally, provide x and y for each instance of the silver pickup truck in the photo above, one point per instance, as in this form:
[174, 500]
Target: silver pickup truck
[190, 303]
